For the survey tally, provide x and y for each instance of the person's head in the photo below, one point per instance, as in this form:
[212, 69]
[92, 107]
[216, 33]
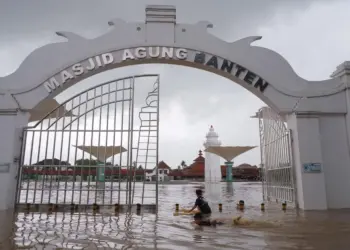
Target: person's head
[199, 192]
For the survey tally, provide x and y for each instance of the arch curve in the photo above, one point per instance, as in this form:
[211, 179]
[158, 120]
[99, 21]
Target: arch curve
[54, 67]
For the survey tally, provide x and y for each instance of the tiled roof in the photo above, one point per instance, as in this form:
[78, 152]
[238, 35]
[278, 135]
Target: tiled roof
[200, 157]
[176, 172]
[245, 165]
[197, 168]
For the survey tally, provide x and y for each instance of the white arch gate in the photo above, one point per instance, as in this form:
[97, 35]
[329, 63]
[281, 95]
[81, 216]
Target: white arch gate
[316, 110]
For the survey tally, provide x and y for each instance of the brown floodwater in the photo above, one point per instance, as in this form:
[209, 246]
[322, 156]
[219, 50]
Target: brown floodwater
[271, 229]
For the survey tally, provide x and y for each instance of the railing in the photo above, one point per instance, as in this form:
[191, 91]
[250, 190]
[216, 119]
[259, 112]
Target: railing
[74, 153]
[276, 157]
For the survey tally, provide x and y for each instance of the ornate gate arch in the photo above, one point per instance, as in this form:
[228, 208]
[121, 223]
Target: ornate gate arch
[51, 69]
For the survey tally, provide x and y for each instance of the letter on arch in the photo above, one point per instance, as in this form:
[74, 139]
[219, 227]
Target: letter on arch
[127, 55]
[51, 84]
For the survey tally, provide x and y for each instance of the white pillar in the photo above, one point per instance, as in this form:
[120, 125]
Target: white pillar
[212, 161]
[12, 123]
[212, 167]
[306, 146]
[336, 148]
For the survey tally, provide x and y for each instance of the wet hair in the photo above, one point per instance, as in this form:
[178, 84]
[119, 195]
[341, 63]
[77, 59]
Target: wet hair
[199, 192]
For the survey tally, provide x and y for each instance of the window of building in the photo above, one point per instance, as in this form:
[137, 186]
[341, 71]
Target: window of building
[165, 171]
[160, 171]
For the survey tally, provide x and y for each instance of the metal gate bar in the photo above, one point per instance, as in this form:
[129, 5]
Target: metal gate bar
[148, 136]
[64, 158]
[276, 157]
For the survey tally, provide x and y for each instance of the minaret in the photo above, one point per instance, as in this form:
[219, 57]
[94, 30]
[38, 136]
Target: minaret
[212, 161]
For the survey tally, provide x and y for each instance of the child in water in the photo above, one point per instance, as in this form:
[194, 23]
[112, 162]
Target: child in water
[203, 217]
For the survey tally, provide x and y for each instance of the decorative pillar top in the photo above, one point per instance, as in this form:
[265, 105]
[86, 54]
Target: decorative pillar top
[342, 69]
[212, 138]
[160, 14]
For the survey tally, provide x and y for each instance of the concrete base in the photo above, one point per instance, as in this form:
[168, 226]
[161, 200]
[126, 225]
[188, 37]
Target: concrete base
[103, 209]
[7, 228]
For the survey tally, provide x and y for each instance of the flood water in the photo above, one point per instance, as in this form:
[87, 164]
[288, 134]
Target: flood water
[271, 229]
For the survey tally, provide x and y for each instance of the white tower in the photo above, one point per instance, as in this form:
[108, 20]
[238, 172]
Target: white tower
[212, 162]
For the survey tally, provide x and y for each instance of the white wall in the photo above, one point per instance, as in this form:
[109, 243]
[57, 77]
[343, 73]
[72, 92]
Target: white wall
[10, 145]
[311, 189]
[336, 159]
[161, 174]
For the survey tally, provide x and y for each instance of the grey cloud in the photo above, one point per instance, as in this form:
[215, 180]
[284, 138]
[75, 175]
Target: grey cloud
[22, 18]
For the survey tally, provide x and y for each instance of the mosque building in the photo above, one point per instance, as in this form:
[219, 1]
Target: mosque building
[209, 169]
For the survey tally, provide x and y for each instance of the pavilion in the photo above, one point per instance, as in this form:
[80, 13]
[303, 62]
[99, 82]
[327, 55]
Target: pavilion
[229, 153]
[45, 108]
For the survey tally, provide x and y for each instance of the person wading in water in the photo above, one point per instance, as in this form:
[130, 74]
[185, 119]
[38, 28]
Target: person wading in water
[203, 217]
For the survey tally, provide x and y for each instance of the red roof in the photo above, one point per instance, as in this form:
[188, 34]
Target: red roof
[200, 157]
[176, 172]
[197, 168]
[245, 165]
[80, 171]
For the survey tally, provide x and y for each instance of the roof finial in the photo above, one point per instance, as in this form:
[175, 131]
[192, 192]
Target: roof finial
[200, 153]
[211, 126]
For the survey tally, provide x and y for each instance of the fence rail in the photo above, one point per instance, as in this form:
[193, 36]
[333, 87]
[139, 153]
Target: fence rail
[276, 157]
[84, 150]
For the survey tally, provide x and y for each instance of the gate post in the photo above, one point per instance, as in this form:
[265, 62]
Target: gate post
[12, 124]
[337, 149]
[308, 162]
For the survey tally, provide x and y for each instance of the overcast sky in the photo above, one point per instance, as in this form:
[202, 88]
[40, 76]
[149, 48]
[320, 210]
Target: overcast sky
[313, 35]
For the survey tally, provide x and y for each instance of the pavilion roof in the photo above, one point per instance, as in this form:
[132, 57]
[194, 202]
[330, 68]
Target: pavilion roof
[102, 152]
[229, 152]
[46, 107]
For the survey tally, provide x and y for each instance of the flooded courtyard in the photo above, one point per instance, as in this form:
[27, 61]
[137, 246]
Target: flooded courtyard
[273, 228]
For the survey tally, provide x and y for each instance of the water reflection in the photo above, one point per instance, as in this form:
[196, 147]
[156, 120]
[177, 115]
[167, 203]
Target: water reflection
[229, 188]
[213, 191]
[274, 229]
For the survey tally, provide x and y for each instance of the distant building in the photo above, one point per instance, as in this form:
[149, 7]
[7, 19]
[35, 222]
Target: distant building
[246, 171]
[196, 171]
[163, 173]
